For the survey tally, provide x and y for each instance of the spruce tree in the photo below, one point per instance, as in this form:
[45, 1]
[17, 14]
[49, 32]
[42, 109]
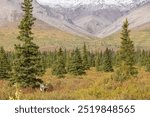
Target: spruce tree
[107, 61]
[97, 62]
[91, 59]
[85, 58]
[138, 56]
[58, 68]
[125, 56]
[76, 67]
[144, 58]
[148, 62]
[127, 51]
[27, 64]
[65, 56]
[5, 67]
[68, 61]
[44, 60]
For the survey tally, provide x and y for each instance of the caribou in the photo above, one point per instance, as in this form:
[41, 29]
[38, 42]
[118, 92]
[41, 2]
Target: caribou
[47, 87]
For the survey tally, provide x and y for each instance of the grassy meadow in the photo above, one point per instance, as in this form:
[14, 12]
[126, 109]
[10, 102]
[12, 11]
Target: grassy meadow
[46, 37]
[50, 38]
[94, 85]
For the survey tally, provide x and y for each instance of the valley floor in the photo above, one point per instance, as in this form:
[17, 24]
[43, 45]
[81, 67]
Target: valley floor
[94, 85]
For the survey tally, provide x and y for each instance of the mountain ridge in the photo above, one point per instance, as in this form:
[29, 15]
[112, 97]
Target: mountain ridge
[83, 20]
[137, 17]
[72, 3]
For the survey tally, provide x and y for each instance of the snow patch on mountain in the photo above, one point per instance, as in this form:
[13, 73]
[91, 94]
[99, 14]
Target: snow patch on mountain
[71, 3]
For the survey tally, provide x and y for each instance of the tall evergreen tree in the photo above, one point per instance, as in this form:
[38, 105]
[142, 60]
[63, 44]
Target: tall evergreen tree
[85, 58]
[107, 61]
[58, 68]
[76, 67]
[97, 62]
[4, 65]
[65, 56]
[138, 54]
[27, 67]
[91, 59]
[144, 58]
[127, 52]
[44, 59]
[125, 55]
[147, 64]
[68, 61]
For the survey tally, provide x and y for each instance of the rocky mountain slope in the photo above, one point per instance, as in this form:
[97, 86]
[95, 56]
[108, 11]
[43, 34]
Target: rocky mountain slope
[11, 12]
[138, 17]
[92, 16]
[80, 17]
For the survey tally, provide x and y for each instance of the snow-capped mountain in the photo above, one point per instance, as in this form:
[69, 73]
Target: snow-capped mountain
[90, 15]
[80, 17]
[73, 3]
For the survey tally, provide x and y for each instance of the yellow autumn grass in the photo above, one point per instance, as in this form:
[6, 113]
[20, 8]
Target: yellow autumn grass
[93, 85]
[46, 37]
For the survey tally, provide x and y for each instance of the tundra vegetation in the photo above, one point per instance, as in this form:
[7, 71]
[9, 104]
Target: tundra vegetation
[80, 73]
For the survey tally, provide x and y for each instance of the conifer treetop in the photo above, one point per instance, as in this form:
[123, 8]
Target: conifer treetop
[27, 22]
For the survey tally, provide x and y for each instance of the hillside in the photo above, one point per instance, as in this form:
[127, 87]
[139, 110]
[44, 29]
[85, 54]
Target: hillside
[140, 36]
[137, 17]
[71, 27]
[10, 12]
[47, 37]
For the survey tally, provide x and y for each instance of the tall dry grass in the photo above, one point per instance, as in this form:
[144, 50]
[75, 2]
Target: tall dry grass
[93, 85]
